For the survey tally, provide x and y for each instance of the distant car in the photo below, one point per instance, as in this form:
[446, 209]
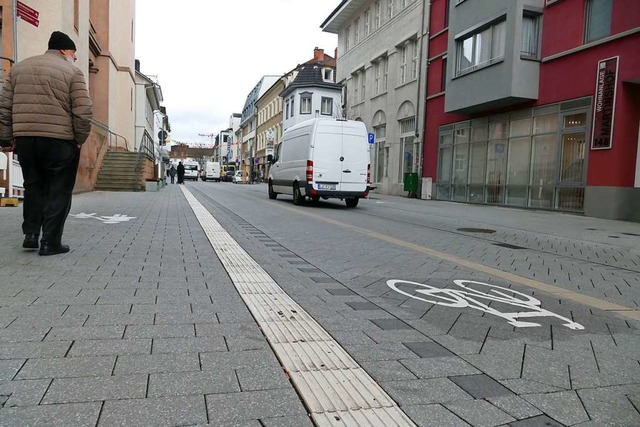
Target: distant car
[237, 177]
[228, 176]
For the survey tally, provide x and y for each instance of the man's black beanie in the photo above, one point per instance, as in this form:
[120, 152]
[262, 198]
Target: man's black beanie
[61, 41]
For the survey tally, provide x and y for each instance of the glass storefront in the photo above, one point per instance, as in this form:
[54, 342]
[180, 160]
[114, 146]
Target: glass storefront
[529, 158]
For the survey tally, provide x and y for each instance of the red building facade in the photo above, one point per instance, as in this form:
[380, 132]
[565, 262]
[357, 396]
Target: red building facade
[564, 134]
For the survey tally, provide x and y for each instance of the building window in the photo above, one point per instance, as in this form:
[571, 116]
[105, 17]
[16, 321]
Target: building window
[408, 148]
[382, 153]
[377, 70]
[480, 49]
[356, 31]
[326, 106]
[286, 115]
[390, 7]
[404, 54]
[305, 103]
[292, 107]
[414, 60]
[598, 18]
[328, 74]
[356, 88]
[377, 18]
[530, 36]
[443, 84]
[363, 84]
[367, 22]
[347, 36]
[385, 73]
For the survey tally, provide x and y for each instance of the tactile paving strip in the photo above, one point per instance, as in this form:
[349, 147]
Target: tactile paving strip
[337, 391]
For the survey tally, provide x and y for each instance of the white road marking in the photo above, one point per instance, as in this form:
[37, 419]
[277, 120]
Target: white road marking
[337, 391]
[470, 298]
[113, 219]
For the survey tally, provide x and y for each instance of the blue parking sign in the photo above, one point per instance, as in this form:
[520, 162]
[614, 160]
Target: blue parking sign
[372, 138]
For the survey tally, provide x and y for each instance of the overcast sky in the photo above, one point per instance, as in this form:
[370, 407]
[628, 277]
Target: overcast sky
[209, 54]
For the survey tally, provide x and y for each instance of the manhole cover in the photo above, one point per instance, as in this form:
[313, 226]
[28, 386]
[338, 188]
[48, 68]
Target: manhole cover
[477, 230]
[509, 246]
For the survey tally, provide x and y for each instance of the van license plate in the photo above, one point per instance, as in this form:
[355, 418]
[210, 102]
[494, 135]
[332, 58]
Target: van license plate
[326, 186]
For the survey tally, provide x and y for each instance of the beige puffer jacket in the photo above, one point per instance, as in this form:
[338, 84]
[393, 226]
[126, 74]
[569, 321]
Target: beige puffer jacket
[45, 96]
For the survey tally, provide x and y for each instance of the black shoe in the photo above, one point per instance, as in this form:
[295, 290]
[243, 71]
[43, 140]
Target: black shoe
[47, 248]
[30, 241]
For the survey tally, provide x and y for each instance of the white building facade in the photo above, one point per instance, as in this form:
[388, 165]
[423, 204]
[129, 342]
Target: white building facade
[381, 63]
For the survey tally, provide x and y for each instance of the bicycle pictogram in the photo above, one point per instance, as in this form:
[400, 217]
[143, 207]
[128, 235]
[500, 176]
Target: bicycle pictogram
[467, 297]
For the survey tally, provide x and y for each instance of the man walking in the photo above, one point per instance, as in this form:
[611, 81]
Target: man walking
[45, 114]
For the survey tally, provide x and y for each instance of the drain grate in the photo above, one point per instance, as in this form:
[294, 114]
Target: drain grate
[477, 230]
[509, 246]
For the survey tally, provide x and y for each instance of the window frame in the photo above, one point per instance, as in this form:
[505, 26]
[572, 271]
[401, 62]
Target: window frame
[329, 101]
[589, 5]
[472, 35]
[306, 98]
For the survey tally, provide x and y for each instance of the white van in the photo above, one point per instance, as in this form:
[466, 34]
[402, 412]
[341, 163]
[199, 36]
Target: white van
[211, 171]
[191, 170]
[322, 158]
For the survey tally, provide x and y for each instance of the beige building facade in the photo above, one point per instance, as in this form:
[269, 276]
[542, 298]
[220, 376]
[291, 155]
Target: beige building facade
[103, 32]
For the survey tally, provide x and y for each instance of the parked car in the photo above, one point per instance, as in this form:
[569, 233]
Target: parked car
[237, 177]
[228, 176]
[211, 171]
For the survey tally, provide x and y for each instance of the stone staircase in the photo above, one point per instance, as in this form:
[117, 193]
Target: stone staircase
[119, 173]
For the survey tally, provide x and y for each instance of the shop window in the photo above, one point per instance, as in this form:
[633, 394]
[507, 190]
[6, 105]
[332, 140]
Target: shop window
[481, 48]
[407, 147]
[381, 153]
[598, 19]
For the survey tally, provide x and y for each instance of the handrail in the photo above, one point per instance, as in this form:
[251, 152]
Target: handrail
[146, 147]
[111, 134]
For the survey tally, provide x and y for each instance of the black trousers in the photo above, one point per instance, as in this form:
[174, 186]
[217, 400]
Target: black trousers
[49, 168]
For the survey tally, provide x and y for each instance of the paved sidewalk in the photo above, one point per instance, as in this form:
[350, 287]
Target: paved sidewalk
[140, 324]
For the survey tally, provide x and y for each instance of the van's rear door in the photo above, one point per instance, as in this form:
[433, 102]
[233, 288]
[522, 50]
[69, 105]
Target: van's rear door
[327, 151]
[355, 151]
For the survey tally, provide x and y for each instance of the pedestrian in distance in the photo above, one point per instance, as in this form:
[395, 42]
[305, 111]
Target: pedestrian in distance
[172, 173]
[180, 173]
[45, 115]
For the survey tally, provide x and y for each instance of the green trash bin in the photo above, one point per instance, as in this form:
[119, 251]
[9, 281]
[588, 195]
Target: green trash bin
[411, 182]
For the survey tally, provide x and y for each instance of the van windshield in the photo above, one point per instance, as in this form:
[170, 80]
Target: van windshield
[191, 167]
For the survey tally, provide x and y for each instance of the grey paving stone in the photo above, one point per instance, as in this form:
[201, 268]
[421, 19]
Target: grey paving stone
[378, 352]
[515, 406]
[433, 416]
[193, 383]
[479, 413]
[45, 320]
[188, 345]
[438, 367]
[67, 367]
[159, 331]
[295, 421]
[157, 363]
[242, 316]
[110, 347]
[362, 305]
[23, 393]
[537, 421]
[77, 414]
[390, 324]
[427, 349]
[480, 386]
[120, 319]
[85, 333]
[9, 368]
[324, 279]
[248, 329]
[238, 359]
[522, 386]
[563, 406]
[390, 370]
[423, 392]
[246, 342]
[17, 334]
[188, 410]
[88, 389]
[23, 350]
[99, 309]
[352, 337]
[341, 292]
[177, 318]
[151, 307]
[266, 378]
[234, 407]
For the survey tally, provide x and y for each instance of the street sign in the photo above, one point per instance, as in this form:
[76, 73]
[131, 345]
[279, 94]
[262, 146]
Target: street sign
[28, 14]
[372, 138]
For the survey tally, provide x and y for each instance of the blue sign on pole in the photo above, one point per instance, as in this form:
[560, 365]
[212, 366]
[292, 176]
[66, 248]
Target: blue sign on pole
[372, 138]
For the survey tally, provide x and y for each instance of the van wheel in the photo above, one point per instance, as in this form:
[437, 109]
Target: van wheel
[297, 196]
[352, 203]
[272, 194]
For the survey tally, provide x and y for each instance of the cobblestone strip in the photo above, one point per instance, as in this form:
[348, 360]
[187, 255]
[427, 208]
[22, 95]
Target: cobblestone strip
[333, 386]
